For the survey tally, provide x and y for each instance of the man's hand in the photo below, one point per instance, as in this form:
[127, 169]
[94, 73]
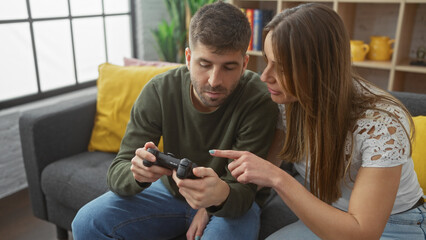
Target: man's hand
[198, 224]
[207, 191]
[145, 174]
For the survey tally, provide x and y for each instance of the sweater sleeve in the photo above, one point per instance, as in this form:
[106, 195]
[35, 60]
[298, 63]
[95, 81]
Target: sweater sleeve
[144, 125]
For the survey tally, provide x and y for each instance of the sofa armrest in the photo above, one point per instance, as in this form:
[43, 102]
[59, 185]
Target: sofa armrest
[51, 133]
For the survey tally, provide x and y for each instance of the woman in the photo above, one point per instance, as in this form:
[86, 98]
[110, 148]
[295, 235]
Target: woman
[347, 138]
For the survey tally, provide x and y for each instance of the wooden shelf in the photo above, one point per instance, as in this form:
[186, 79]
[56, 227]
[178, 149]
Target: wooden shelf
[387, 65]
[415, 1]
[255, 53]
[401, 20]
[309, 1]
[370, 1]
[411, 68]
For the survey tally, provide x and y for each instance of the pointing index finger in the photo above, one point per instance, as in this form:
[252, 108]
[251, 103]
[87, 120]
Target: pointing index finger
[231, 154]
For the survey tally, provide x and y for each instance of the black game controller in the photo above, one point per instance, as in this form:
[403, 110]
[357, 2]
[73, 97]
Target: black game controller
[183, 166]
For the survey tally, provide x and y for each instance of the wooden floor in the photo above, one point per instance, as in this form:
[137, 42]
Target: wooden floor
[18, 223]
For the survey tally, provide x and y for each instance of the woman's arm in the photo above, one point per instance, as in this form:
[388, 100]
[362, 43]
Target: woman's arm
[198, 224]
[370, 205]
[369, 208]
[276, 146]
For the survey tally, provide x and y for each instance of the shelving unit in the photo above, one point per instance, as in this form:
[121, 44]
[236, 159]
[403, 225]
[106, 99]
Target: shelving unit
[402, 20]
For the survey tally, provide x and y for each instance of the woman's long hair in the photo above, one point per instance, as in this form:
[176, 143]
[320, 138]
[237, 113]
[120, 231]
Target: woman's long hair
[311, 47]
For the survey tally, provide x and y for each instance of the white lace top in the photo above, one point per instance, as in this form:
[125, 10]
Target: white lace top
[379, 141]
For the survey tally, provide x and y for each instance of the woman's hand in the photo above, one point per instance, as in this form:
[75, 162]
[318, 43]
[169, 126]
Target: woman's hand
[249, 168]
[198, 224]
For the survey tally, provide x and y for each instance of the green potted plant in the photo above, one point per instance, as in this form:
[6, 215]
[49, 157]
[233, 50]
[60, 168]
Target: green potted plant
[194, 5]
[171, 37]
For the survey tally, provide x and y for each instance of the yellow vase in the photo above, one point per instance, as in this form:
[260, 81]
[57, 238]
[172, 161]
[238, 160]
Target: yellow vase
[380, 48]
[358, 50]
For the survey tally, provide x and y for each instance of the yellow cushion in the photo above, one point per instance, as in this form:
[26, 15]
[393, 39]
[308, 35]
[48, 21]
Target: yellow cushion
[118, 88]
[419, 150]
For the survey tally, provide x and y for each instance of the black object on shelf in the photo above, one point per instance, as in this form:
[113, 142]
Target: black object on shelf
[420, 61]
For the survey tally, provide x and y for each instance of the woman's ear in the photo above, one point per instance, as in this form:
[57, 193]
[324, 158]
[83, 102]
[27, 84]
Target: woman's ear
[187, 57]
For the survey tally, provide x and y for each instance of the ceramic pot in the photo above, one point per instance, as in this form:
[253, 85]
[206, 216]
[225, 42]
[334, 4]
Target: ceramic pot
[358, 50]
[380, 48]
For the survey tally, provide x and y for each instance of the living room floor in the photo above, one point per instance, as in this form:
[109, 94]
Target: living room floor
[18, 223]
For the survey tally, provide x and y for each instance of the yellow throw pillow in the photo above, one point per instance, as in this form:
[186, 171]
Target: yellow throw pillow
[118, 88]
[419, 150]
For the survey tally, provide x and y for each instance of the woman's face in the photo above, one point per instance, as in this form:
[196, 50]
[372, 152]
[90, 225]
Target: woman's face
[270, 75]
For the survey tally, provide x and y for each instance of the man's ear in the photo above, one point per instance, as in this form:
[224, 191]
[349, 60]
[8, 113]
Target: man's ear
[245, 62]
[187, 57]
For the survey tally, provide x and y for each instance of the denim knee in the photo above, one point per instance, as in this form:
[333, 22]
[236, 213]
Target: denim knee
[83, 224]
[244, 227]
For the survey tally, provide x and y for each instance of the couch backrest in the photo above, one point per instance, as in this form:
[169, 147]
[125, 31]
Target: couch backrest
[414, 102]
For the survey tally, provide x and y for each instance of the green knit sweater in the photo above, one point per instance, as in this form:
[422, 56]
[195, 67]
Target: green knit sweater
[246, 121]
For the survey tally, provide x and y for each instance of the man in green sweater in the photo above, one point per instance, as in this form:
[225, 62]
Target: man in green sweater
[211, 103]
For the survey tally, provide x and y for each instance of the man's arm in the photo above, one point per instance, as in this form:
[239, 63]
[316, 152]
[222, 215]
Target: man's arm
[144, 126]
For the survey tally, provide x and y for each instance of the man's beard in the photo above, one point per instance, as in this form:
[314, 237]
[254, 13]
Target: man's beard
[208, 101]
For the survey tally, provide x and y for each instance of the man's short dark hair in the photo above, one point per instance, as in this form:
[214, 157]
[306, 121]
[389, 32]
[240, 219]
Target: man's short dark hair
[222, 26]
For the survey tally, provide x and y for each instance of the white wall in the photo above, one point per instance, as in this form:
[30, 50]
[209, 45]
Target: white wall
[149, 13]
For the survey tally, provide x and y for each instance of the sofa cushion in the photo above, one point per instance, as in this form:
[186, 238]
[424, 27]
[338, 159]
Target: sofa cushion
[118, 88]
[419, 151]
[275, 215]
[76, 180]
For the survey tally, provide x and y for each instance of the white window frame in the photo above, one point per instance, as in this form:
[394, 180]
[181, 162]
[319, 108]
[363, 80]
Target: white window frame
[77, 85]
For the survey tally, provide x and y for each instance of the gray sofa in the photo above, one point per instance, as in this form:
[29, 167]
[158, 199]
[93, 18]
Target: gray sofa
[63, 176]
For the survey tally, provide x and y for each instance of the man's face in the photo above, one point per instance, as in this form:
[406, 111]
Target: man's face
[213, 76]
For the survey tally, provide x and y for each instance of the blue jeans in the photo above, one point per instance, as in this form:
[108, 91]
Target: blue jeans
[408, 225]
[154, 214]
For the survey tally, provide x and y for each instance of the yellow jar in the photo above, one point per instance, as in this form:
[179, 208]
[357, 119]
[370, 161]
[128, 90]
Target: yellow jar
[358, 50]
[380, 48]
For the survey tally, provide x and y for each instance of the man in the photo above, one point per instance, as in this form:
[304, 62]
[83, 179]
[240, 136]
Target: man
[211, 103]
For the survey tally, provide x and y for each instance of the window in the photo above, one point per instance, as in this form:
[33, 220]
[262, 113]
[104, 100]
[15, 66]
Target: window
[49, 47]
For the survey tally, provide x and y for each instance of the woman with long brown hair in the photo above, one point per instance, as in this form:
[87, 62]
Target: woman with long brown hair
[347, 138]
